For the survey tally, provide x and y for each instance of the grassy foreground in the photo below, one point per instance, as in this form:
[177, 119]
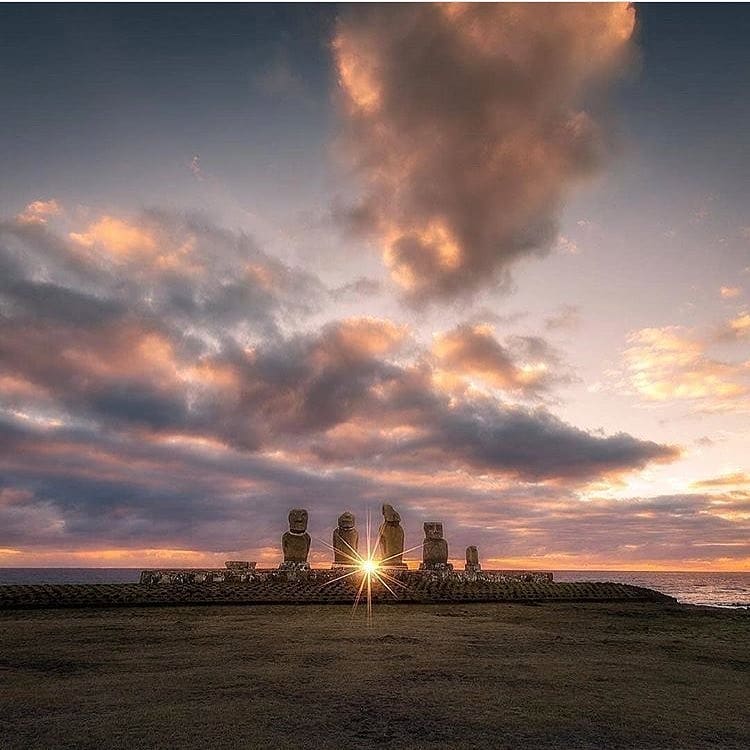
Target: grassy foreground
[423, 676]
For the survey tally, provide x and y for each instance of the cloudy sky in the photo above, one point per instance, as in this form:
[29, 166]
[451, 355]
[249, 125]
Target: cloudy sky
[489, 264]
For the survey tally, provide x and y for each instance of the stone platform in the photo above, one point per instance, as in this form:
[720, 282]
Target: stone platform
[317, 587]
[323, 576]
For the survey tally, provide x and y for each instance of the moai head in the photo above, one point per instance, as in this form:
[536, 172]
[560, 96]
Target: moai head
[433, 530]
[298, 520]
[472, 555]
[390, 515]
[346, 521]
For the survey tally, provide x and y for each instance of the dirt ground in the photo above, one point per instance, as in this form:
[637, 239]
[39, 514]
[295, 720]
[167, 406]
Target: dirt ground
[441, 676]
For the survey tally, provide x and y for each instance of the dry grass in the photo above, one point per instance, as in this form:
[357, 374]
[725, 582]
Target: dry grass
[440, 676]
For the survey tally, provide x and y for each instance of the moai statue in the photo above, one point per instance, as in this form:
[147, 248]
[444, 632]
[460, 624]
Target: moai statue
[391, 539]
[345, 541]
[296, 541]
[472, 560]
[434, 548]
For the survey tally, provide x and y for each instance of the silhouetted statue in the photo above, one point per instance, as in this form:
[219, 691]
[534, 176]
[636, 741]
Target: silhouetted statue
[472, 560]
[296, 541]
[434, 548]
[345, 541]
[391, 539]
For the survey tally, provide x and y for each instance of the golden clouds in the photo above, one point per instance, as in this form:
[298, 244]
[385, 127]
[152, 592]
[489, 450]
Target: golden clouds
[465, 126]
[141, 243]
[471, 355]
[367, 336]
[117, 237]
[39, 212]
[740, 325]
[355, 74]
[121, 351]
[730, 292]
[594, 42]
[737, 479]
[473, 351]
[672, 363]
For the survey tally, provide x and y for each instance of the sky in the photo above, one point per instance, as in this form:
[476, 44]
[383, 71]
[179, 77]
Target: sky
[489, 264]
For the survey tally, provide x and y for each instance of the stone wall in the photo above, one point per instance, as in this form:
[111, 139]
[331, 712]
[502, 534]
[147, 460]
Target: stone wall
[323, 575]
[316, 587]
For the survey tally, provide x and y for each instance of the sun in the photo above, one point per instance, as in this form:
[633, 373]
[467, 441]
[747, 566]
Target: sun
[369, 569]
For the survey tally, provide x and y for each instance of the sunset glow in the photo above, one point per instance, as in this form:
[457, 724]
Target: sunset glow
[486, 263]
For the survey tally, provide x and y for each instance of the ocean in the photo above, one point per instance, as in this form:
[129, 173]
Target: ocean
[708, 589]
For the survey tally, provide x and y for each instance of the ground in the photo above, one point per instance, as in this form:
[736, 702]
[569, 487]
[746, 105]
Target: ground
[622, 675]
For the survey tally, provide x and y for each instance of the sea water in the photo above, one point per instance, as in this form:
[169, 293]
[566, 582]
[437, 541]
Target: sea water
[711, 589]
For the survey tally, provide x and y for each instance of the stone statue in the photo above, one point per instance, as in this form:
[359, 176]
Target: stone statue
[391, 539]
[296, 541]
[434, 548]
[472, 560]
[345, 541]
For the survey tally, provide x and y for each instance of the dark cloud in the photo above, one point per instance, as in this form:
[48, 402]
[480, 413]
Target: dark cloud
[534, 446]
[102, 493]
[182, 271]
[151, 396]
[467, 126]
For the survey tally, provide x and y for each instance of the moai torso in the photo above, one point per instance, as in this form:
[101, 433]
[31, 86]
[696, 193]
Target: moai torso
[296, 542]
[472, 560]
[434, 548]
[345, 541]
[391, 539]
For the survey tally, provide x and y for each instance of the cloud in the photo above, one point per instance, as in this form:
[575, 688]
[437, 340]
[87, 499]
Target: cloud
[345, 404]
[152, 405]
[566, 246]
[102, 495]
[738, 479]
[39, 212]
[357, 289]
[466, 126]
[737, 327]
[672, 364]
[154, 351]
[730, 292]
[526, 365]
[112, 235]
[181, 271]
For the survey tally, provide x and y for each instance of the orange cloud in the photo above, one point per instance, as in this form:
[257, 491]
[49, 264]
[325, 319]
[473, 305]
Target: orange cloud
[128, 242]
[39, 212]
[730, 292]
[368, 336]
[122, 351]
[469, 353]
[116, 237]
[671, 363]
[465, 126]
[738, 479]
[740, 325]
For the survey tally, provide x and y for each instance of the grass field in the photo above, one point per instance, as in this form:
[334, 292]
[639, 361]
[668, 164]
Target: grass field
[423, 676]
